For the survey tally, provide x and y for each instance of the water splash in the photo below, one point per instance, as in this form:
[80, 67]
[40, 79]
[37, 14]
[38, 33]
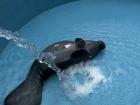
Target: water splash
[19, 41]
[82, 79]
[38, 53]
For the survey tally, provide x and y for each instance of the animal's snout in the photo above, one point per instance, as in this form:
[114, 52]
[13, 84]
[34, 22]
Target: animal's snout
[101, 44]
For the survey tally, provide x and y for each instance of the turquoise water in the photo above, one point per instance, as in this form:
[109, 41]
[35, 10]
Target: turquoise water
[116, 23]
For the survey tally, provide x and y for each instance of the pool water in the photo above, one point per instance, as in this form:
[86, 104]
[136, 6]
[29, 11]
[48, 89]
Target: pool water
[115, 23]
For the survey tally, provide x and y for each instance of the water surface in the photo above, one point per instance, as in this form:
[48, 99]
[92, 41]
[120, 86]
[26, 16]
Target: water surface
[116, 23]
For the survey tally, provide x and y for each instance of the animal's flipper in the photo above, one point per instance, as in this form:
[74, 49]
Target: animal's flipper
[80, 54]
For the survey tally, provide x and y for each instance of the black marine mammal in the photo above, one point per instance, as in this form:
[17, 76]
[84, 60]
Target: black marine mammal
[66, 53]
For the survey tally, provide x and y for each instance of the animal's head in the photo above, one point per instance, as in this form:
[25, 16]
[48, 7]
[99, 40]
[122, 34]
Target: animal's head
[91, 47]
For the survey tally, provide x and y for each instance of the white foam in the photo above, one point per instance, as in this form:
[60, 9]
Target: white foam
[89, 86]
[92, 78]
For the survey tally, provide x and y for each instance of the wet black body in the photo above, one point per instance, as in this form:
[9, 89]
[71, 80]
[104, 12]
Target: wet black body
[66, 54]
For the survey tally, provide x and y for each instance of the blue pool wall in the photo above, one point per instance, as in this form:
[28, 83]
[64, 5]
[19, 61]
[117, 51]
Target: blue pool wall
[16, 13]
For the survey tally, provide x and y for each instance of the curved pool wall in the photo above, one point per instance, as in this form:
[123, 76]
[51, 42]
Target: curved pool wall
[16, 13]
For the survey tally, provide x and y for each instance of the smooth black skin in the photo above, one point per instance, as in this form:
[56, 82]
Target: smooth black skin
[67, 53]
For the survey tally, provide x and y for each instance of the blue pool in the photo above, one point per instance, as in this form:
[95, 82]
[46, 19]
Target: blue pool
[116, 23]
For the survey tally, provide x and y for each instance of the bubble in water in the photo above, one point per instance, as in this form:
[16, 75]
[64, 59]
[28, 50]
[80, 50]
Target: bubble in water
[82, 80]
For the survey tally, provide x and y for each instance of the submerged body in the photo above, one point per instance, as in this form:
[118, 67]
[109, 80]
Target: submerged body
[66, 54]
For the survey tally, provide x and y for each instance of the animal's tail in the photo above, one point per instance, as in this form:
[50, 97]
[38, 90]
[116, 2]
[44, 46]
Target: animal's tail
[29, 92]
